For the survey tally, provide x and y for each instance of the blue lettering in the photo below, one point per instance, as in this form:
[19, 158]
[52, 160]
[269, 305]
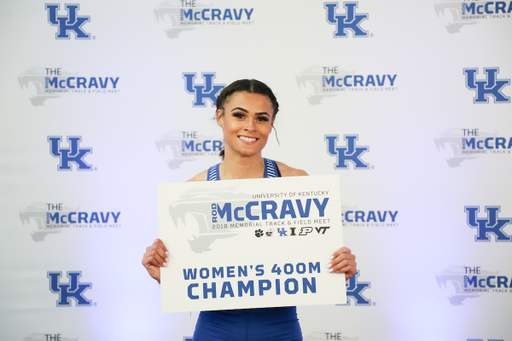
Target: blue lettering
[287, 209]
[291, 282]
[203, 14]
[80, 81]
[309, 285]
[187, 14]
[69, 218]
[237, 217]
[82, 217]
[226, 290]
[304, 213]
[345, 81]
[204, 273]
[248, 210]
[371, 216]
[500, 141]
[370, 81]
[217, 145]
[93, 83]
[264, 285]
[392, 80]
[189, 274]
[250, 12]
[189, 291]
[187, 145]
[94, 218]
[114, 82]
[225, 211]
[242, 288]
[104, 85]
[329, 80]
[69, 83]
[265, 210]
[347, 218]
[321, 206]
[380, 81]
[358, 80]
[242, 271]
[216, 13]
[227, 14]
[51, 82]
[218, 272]
[211, 290]
[52, 217]
[393, 216]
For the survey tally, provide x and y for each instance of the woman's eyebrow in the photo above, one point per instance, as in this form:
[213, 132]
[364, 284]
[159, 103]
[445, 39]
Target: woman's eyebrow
[239, 108]
[247, 111]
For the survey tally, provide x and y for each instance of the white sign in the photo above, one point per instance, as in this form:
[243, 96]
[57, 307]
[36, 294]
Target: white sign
[250, 243]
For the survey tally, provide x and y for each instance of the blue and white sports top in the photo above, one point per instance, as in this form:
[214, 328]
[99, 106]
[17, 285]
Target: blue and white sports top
[271, 171]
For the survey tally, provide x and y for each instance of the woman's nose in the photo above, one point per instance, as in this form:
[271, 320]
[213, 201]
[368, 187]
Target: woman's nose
[250, 126]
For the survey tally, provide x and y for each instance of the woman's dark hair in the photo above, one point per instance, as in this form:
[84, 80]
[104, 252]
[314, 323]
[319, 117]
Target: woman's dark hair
[252, 86]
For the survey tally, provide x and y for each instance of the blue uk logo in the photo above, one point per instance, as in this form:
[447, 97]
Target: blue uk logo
[72, 290]
[70, 23]
[348, 21]
[206, 91]
[73, 154]
[355, 291]
[349, 153]
[490, 86]
[491, 225]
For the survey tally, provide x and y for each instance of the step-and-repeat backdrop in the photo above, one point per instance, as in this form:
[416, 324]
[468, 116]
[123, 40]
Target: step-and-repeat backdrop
[408, 102]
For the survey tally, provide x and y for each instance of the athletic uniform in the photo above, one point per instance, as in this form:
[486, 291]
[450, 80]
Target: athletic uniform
[268, 324]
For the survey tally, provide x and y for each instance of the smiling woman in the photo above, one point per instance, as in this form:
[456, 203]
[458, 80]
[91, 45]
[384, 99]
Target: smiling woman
[246, 110]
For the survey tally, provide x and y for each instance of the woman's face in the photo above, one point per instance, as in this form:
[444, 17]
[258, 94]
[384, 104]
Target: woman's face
[246, 122]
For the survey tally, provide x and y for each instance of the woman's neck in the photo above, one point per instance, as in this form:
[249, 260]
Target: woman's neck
[237, 167]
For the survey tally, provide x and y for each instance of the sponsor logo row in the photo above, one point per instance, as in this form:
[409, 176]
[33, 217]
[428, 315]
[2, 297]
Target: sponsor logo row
[455, 145]
[348, 18]
[316, 83]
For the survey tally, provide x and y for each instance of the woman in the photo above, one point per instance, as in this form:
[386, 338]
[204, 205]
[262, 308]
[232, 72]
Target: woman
[246, 110]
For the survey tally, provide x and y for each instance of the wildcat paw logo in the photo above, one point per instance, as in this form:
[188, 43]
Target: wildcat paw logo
[73, 155]
[207, 91]
[71, 291]
[464, 282]
[349, 21]
[458, 145]
[70, 24]
[319, 82]
[457, 14]
[348, 154]
[42, 83]
[178, 147]
[43, 219]
[176, 16]
[490, 225]
[490, 87]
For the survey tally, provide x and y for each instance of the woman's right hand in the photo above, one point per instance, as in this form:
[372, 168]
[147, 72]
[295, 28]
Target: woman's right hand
[155, 257]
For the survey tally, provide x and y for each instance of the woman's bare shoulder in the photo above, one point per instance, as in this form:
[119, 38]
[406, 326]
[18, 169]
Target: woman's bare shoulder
[200, 177]
[289, 171]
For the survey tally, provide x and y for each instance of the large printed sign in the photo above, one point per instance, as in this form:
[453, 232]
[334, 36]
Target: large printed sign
[254, 243]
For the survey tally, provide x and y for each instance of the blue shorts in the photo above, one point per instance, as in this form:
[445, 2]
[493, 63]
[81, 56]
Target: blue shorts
[269, 324]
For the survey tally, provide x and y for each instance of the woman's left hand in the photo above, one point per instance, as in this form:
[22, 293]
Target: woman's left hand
[343, 261]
